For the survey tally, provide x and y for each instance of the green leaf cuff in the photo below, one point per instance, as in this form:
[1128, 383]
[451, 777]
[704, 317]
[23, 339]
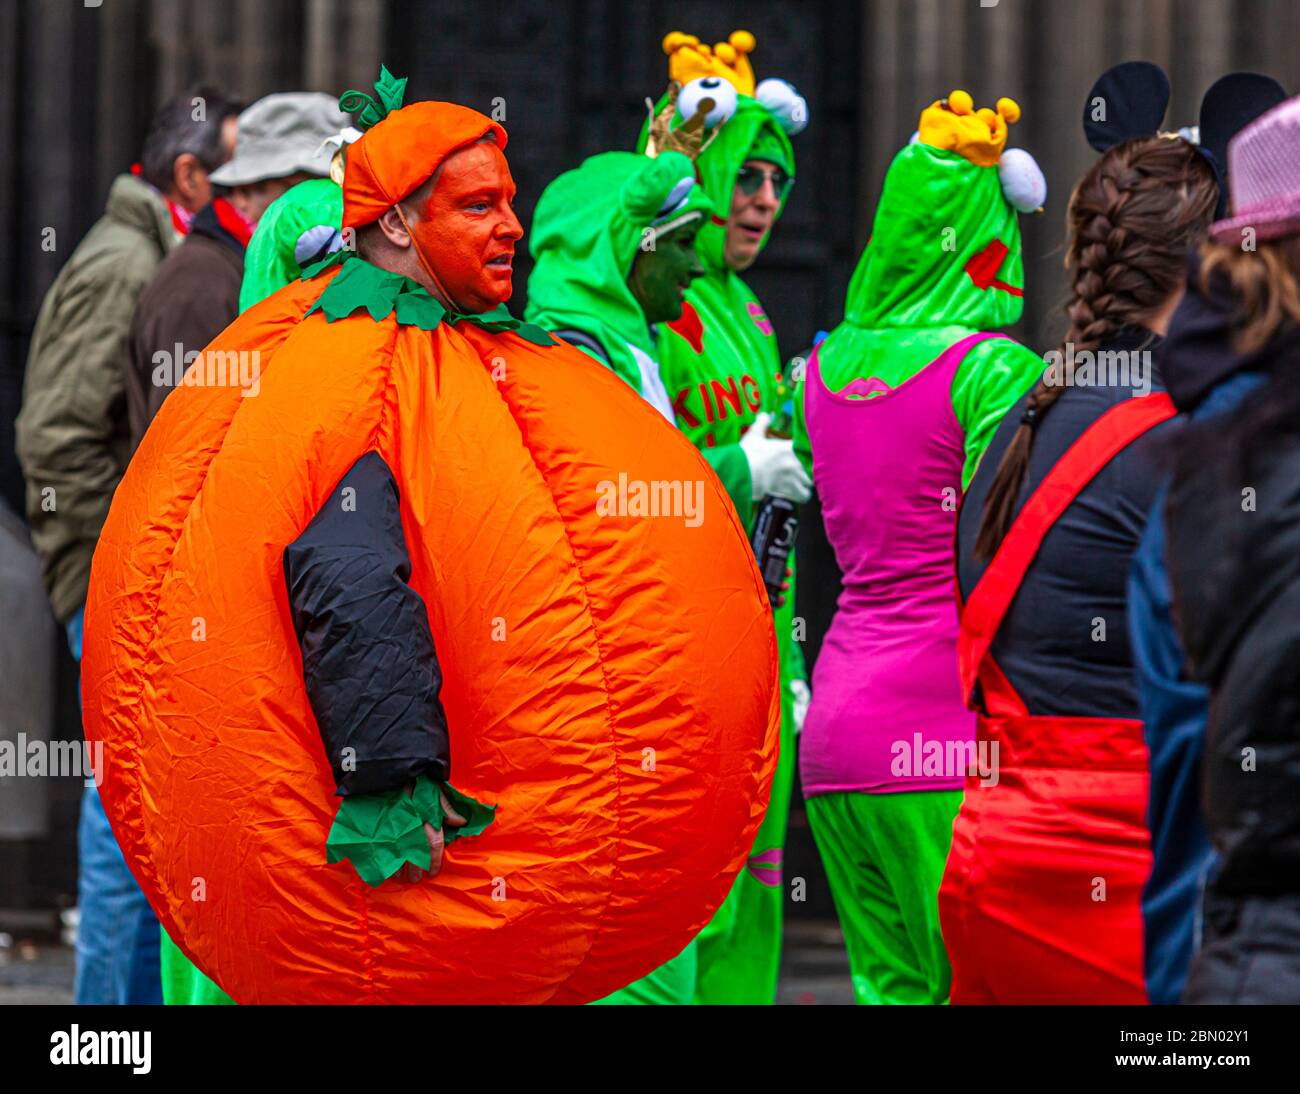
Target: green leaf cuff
[381, 833]
[361, 286]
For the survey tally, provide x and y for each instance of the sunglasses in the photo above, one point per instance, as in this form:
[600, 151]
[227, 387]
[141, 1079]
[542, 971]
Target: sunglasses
[751, 179]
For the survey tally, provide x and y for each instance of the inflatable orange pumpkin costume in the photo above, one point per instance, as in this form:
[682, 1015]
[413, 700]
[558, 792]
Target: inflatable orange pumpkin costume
[606, 677]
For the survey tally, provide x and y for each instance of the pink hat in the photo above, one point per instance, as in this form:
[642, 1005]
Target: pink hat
[1264, 177]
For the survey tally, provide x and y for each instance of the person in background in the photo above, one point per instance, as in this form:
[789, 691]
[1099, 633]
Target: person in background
[1204, 377]
[1041, 896]
[195, 292]
[27, 679]
[73, 441]
[282, 142]
[299, 228]
[1232, 527]
[898, 405]
[720, 365]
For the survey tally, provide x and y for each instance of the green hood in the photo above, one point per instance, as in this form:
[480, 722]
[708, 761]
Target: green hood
[270, 262]
[915, 293]
[586, 233]
[938, 212]
[718, 165]
[911, 295]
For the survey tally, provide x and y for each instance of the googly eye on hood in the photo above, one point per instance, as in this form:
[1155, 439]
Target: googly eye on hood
[714, 88]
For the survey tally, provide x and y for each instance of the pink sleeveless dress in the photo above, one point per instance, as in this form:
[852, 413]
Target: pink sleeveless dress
[885, 696]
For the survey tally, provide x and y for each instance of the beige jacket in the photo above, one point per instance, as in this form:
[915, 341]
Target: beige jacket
[72, 435]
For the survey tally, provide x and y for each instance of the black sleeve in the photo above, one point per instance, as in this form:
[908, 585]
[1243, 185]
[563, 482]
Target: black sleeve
[583, 340]
[367, 653]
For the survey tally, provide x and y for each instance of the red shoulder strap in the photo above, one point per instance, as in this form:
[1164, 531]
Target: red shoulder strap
[989, 600]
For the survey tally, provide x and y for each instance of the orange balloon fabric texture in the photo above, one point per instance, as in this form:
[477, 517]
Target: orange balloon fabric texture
[609, 680]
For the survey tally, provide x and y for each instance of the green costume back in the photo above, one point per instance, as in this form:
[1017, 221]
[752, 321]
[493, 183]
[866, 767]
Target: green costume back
[914, 294]
[943, 262]
[270, 262]
[720, 363]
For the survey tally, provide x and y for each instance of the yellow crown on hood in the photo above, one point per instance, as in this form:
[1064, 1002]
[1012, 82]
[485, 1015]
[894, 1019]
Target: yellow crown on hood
[955, 125]
[689, 59]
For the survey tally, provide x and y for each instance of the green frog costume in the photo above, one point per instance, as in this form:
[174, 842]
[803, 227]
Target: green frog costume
[899, 404]
[589, 226]
[720, 364]
[943, 262]
[298, 229]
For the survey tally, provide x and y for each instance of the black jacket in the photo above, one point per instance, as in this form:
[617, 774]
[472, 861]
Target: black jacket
[1233, 522]
[1064, 644]
[192, 298]
[368, 657]
[1205, 379]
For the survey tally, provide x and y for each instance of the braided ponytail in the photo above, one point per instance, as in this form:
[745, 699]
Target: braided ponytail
[1130, 223]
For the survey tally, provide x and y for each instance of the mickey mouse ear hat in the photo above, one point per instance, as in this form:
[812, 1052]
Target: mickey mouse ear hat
[1231, 104]
[1127, 101]
[1130, 100]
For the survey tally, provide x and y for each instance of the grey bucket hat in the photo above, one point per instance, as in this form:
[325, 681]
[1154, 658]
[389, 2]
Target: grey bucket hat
[281, 135]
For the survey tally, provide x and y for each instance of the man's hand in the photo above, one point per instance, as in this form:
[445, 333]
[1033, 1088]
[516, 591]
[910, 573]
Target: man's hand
[785, 588]
[413, 873]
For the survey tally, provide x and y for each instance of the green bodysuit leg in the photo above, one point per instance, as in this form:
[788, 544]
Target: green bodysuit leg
[884, 856]
[183, 984]
[671, 984]
[740, 948]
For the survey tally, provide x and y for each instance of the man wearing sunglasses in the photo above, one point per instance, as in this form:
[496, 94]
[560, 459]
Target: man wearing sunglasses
[761, 190]
[720, 363]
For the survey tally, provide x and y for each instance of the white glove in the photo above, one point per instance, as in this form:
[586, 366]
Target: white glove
[800, 699]
[773, 466]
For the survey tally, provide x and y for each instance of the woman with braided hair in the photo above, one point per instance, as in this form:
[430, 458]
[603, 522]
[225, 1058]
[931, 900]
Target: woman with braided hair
[1040, 897]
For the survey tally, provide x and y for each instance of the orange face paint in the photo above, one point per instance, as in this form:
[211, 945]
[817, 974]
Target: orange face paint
[467, 230]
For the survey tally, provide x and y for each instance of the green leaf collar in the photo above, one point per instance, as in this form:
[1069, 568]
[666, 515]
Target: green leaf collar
[361, 285]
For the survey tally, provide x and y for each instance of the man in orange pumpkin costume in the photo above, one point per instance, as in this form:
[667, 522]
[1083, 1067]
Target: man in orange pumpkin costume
[425, 529]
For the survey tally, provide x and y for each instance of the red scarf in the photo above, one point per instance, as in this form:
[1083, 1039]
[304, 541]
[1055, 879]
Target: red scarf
[181, 217]
[233, 221]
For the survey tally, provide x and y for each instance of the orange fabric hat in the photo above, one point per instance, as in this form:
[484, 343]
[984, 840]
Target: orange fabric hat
[397, 154]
